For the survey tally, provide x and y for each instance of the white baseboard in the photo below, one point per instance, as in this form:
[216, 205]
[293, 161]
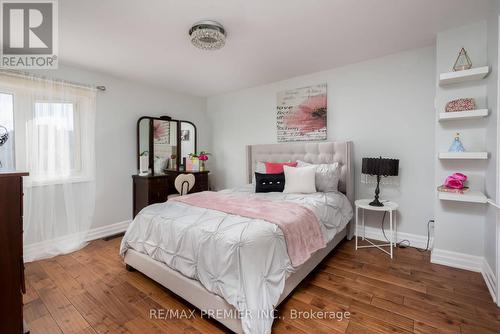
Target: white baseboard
[417, 241]
[457, 260]
[108, 230]
[467, 262]
[32, 251]
[489, 278]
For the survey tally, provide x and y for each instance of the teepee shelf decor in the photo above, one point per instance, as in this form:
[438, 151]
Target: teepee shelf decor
[463, 61]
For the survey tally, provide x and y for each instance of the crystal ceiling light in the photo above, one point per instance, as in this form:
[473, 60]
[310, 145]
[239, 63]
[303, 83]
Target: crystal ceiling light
[208, 35]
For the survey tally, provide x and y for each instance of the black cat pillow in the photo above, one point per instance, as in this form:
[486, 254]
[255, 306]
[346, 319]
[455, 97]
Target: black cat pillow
[266, 183]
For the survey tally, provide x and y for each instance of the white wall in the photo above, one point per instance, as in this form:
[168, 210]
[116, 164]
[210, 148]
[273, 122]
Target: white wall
[459, 226]
[385, 106]
[117, 112]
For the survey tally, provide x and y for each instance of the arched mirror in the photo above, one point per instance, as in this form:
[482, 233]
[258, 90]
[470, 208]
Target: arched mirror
[162, 143]
[157, 144]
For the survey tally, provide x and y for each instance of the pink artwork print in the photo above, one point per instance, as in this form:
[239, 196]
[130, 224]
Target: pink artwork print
[302, 113]
[309, 116]
[161, 132]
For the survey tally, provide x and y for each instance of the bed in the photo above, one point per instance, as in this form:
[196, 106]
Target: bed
[221, 283]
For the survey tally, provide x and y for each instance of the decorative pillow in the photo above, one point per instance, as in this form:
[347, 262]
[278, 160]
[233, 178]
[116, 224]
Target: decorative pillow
[327, 175]
[277, 167]
[266, 183]
[300, 180]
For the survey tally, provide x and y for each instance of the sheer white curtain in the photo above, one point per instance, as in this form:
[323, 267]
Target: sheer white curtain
[54, 125]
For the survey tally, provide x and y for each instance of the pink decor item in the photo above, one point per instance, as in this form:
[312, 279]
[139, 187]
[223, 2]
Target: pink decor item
[455, 181]
[159, 130]
[461, 105]
[459, 176]
[309, 116]
[299, 225]
[277, 167]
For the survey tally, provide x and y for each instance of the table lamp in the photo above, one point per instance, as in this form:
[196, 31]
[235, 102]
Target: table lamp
[379, 167]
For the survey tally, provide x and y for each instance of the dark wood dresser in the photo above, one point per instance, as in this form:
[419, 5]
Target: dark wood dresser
[11, 252]
[150, 189]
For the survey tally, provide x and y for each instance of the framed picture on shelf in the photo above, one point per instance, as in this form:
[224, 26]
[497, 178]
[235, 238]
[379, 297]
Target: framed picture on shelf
[185, 135]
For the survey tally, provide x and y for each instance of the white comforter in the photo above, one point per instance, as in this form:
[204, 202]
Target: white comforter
[243, 260]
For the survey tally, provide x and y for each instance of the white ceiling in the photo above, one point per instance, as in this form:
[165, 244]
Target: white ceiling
[268, 40]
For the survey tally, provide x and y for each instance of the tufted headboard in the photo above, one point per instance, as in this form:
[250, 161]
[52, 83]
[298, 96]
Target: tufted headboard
[322, 152]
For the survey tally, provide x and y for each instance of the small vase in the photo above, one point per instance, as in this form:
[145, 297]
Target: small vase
[202, 166]
[143, 165]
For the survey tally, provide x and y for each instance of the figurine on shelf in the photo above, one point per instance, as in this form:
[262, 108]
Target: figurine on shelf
[457, 146]
[463, 61]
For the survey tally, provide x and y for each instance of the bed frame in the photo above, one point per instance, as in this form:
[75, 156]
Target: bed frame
[192, 290]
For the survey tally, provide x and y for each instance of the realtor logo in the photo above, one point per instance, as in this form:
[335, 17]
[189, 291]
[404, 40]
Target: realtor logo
[29, 34]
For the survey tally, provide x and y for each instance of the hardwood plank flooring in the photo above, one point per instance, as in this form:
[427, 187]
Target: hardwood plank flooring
[90, 291]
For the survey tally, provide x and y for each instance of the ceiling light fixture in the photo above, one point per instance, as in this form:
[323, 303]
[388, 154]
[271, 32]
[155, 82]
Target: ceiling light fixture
[208, 35]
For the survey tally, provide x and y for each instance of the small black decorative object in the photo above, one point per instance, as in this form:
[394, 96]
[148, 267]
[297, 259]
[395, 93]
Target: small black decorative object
[266, 183]
[379, 167]
[4, 135]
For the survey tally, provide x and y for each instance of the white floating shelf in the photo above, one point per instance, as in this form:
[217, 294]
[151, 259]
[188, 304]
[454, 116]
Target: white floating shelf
[450, 78]
[446, 116]
[464, 155]
[470, 196]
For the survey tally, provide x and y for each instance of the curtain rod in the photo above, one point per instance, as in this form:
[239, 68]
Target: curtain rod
[28, 75]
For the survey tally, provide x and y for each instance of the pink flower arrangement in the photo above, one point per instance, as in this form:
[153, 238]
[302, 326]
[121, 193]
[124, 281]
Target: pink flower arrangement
[202, 156]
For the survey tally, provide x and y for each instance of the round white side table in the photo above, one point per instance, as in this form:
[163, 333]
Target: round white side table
[391, 208]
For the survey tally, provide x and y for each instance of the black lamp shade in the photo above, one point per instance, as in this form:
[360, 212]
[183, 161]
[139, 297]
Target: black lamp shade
[380, 166]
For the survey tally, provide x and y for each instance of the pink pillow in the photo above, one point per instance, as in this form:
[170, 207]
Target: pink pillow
[450, 182]
[277, 167]
[455, 181]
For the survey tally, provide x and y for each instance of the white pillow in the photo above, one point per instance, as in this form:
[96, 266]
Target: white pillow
[300, 180]
[327, 175]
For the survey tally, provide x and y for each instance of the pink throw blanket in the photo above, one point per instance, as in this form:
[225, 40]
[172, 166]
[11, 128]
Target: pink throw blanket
[299, 224]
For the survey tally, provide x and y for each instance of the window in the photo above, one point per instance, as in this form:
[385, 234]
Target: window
[53, 125]
[56, 132]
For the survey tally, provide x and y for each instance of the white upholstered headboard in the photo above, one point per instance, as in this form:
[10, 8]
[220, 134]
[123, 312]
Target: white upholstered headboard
[322, 152]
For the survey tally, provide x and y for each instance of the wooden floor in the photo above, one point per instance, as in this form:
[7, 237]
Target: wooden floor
[91, 292]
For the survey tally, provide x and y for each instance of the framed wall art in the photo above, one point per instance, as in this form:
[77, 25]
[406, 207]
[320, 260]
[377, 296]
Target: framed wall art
[301, 114]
